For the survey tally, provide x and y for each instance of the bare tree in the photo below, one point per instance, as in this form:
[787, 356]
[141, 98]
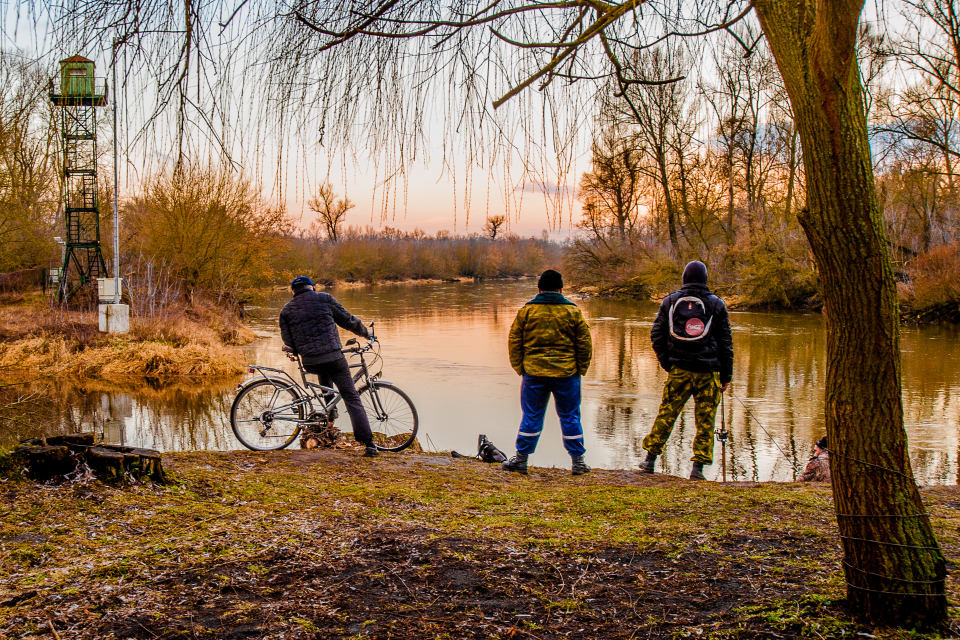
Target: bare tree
[28, 165]
[927, 112]
[352, 59]
[658, 114]
[739, 97]
[493, 225]
[331, 211]
[610, 191]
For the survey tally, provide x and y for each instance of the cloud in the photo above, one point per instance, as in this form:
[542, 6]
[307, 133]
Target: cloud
[550, 188]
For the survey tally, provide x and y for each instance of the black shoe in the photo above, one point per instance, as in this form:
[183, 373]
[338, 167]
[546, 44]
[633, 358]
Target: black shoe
[579, 467]
[517, 463]
[371, 451]
[697, 472]
[647, 465]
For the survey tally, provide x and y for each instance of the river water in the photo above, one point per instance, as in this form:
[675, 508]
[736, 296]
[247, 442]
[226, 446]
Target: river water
[445, 344]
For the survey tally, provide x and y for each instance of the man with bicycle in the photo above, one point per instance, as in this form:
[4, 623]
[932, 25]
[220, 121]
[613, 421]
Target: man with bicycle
[308, 325]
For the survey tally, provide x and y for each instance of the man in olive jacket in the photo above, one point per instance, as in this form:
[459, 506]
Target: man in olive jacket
[550, 347]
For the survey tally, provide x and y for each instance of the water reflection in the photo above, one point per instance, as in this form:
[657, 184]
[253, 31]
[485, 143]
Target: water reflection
[446, 346]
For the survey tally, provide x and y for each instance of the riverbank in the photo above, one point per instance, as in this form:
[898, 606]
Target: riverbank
[193, 341]
[327, 544]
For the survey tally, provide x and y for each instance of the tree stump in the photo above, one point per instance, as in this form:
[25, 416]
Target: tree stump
[46, 462]
[57, 456]
[106, 464]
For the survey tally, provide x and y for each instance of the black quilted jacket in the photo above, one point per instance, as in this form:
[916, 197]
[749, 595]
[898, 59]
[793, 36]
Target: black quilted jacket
[713, 353]
[308, 324]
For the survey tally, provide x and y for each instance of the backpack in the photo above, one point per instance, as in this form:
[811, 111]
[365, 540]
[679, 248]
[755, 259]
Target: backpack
[688, 319]
[486, 451]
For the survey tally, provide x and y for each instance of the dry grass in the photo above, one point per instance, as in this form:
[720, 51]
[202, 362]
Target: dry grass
[935, 277]
[195, 341]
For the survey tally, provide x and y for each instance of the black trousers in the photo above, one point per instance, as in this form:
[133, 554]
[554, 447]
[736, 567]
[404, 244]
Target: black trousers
[337, 373]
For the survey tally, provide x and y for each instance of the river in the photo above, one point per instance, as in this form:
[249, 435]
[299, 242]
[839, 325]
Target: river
[445, 344]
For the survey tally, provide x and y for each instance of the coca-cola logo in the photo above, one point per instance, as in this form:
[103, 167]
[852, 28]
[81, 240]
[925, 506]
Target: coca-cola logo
[693, 327]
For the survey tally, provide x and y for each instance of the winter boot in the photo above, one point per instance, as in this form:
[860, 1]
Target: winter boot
[697, 472]
[371, 451]
[579, 467]
[517, 463]
[647, 465]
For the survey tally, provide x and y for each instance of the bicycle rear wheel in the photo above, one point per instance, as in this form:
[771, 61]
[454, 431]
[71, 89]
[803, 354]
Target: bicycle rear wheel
[266, 415]
[393, 418]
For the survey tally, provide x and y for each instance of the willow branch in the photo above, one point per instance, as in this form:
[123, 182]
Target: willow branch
[598, 26]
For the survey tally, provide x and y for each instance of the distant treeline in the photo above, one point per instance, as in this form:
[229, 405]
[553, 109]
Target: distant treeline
[207, 232]
[390, 254]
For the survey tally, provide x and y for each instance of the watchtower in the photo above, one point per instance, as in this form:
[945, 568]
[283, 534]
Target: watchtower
[78, 93]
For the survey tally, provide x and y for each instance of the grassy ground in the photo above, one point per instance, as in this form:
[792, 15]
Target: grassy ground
[326, 544]
[195, 341]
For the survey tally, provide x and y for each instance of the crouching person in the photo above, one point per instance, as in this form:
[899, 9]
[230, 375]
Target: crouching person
[818, 468]
[691, 337]
[550, 348]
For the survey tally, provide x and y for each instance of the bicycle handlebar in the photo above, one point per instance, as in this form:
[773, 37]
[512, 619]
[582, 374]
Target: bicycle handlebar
[358, 349]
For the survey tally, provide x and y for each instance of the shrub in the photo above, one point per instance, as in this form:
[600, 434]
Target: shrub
[935, 278]
[770, 274]
[208, 227]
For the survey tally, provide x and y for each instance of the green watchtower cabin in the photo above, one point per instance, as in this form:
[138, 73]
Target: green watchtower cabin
[78, 92]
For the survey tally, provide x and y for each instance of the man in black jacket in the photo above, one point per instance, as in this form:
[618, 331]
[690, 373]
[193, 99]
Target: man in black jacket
[308, 325]
[691, 337]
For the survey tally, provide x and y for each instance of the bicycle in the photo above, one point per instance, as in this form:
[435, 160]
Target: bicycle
[272, 409]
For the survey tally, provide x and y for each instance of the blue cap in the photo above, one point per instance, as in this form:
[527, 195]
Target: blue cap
[301, 281]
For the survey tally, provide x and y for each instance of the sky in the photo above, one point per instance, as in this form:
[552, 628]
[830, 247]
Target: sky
[432, 197]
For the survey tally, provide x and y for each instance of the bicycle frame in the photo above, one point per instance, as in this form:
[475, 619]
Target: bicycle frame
[310, 391]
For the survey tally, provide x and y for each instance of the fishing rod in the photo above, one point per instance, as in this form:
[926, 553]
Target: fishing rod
[722, 437]
[760, 424]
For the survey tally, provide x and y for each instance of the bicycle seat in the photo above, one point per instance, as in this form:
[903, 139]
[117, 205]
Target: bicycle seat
[287, 349]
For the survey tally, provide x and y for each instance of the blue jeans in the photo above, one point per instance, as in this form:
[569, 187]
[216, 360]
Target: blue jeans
[535, 392]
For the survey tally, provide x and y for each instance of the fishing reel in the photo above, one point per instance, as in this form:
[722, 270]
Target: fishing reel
[722, 436]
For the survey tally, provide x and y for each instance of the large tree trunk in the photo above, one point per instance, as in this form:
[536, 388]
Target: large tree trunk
[892, 562]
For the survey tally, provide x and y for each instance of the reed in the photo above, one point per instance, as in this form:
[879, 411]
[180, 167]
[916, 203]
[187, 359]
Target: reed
[196, 340]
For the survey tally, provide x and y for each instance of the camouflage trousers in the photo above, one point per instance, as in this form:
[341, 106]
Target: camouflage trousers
[681, 384]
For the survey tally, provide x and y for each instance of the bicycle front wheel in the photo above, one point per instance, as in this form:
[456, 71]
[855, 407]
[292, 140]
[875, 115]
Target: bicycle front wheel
[393, 418]
[266, 415]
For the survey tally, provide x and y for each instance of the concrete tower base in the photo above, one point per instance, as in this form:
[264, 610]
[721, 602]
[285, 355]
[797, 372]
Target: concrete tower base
[114, 318]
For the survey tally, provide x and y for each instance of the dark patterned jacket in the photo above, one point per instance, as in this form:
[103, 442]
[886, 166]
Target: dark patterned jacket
[818, 469]
[713, 353]
[308, 324]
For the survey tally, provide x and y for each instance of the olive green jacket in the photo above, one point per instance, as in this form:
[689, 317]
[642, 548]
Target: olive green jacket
[550, 338]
